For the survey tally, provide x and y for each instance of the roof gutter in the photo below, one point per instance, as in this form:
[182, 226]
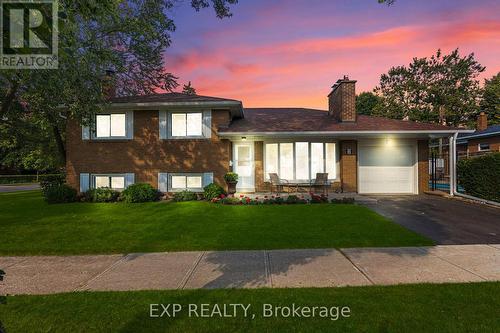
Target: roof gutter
[478, 136]
[308, 133]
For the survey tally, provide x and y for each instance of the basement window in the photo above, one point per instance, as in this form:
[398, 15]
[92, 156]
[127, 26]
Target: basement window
[113, 182]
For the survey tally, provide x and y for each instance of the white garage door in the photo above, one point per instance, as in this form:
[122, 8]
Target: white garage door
[387, 168]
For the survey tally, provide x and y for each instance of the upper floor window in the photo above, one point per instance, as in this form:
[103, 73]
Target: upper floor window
[111, 125]
[180, 124]
[187, 124]
[484, 146]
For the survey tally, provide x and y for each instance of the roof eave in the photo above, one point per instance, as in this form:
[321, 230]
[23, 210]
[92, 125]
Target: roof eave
[235, 107]
[343, 133]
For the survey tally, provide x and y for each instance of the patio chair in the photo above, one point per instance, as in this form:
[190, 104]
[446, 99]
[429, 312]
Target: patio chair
[320, 181]
[277, 182]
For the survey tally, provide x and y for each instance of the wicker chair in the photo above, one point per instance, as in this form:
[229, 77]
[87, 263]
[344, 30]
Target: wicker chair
[277, 182]
[321, 181]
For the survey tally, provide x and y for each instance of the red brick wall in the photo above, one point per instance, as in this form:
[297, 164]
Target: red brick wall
[146, 155]
[494, 142]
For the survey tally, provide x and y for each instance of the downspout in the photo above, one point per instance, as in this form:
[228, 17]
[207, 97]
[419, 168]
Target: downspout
[453, 164]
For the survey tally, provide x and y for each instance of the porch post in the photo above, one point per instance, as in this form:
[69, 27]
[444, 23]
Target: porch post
[451, 163]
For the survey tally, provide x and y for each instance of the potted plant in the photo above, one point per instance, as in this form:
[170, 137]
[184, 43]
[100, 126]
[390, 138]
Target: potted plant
[231, 179]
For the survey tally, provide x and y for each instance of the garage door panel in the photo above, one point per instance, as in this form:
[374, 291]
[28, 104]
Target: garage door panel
[386, 179]
[386, 169]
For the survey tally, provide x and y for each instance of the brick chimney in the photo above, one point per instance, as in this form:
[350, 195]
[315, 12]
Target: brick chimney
[482, 121]
[342, 100]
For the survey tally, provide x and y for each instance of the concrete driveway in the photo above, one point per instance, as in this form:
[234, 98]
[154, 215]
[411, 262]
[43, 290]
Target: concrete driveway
[445, 220]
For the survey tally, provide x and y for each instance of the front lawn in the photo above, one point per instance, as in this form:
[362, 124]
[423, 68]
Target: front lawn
[29, 226]
[405, 308]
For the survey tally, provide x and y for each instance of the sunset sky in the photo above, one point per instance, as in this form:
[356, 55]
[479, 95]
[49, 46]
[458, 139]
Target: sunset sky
[290, 52]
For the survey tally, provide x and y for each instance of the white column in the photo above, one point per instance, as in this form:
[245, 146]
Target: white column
[451, 162]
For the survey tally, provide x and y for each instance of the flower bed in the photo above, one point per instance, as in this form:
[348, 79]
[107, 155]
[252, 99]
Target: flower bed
[278, 200]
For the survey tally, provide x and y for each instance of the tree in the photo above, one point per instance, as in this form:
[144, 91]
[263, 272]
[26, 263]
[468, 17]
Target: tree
[490, 102]
[366, 103]
[127, 37]
[188, 89]
[388, 2]
[432, 89]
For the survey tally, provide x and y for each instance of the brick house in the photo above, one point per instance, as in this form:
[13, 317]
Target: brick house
[175, 141]
[485, 140]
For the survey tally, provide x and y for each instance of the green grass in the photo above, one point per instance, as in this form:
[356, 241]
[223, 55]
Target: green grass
[405, 308]
[29, 226]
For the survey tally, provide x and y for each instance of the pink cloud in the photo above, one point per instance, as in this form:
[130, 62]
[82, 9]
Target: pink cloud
[300, 72]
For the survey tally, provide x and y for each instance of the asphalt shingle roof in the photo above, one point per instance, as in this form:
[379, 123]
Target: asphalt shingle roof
[300, 119]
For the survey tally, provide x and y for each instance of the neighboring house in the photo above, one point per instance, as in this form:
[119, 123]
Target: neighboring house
[485, 140]
[176, 142]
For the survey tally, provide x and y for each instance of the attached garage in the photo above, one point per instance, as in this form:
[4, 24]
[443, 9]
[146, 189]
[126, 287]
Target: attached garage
[387, 167]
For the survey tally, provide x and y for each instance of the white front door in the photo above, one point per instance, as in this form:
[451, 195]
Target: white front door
[243, 165]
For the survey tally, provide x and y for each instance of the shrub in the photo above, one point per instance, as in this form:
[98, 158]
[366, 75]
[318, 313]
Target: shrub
[213, 191]
[231, 177]
[51, 180]
[185, 196]
[344, 200]
[102, 194]
[480, 176]
[140, 192]
[318, 198]
[230, 201]
[59, 193]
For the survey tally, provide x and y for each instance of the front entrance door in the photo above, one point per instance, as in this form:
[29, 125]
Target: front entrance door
[243, 165]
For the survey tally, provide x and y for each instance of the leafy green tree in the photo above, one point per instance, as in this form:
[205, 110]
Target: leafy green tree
[127, 37]
[188, 89]
[442, 87]
[490, 102]
[366, 103]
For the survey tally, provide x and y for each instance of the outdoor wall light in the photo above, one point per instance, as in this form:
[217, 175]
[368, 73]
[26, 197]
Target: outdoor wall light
[243, 138]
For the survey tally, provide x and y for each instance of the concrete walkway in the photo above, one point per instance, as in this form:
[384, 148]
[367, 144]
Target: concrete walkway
[251, 269]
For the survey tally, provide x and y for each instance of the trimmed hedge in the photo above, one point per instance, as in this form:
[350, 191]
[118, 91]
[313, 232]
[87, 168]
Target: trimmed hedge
[185, 196]
[480, 176]
[59, 193]
[102, 194]
[140, 192]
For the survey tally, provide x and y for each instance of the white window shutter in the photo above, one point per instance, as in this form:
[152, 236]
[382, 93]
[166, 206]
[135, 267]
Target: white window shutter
[163, 182]
[84, 182]
[85, 133]
[162, 117]
[207, 123]
[129, 179]
[130, 124]
[208, 178]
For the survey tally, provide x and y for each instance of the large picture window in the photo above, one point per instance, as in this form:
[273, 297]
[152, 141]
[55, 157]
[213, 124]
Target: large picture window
[187, 124]
[111, 125]
[301, 161]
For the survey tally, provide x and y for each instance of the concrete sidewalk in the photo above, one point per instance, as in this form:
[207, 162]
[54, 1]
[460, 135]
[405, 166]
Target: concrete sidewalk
[251, 269]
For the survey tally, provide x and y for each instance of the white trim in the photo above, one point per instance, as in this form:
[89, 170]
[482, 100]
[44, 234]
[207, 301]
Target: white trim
[483, 143]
